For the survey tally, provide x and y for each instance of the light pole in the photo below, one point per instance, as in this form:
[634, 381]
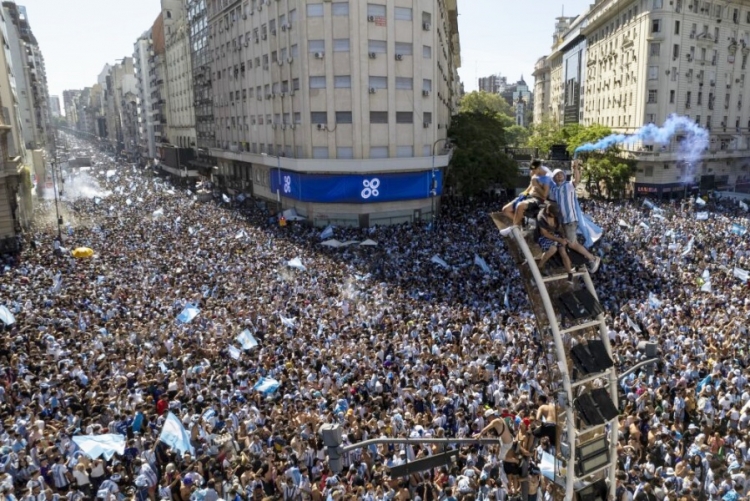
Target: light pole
[55, 188]
[278, 177]
[433, 183]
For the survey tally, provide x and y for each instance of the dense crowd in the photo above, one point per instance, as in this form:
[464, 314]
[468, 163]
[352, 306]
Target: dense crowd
[381, 340]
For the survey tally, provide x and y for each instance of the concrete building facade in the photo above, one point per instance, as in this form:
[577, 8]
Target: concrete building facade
[312, 95]
[143, 58]
[30, 76]
[54, 107]
[180, 112]
[637, 62]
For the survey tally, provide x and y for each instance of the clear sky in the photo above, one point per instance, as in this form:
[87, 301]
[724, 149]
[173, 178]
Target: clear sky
[78, 37]
[508, 36]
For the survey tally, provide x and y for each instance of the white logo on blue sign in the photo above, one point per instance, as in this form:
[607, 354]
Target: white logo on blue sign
[287, 184]
[371, 188]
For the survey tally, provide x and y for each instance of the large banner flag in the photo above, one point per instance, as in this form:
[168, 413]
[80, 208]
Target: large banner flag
[481, 263]
[738, 229]
[175, 436]
[188, 314]
[701, 216]
[266, 385]
[743, 275]
[437, 260]
[101, 445]
[632, 324]
[247, 340]
[689, 248]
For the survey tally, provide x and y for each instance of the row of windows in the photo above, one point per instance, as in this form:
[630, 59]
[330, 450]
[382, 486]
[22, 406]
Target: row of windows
[318, 117]
[323, 152]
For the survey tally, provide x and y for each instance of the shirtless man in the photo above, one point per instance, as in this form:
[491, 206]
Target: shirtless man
[534, 196]
[546, 411]
[502, 430]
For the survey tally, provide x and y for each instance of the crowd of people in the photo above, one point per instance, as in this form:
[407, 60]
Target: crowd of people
[381, 340]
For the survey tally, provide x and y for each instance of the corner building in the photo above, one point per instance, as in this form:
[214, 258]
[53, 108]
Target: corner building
[628, 63]
[335, 108]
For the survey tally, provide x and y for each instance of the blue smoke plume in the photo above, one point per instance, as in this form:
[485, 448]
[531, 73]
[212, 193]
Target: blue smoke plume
[689, 150]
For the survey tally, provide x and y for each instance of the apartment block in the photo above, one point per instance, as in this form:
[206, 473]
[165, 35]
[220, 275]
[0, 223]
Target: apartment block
[143, 62]
[335, 108]
[628, 63]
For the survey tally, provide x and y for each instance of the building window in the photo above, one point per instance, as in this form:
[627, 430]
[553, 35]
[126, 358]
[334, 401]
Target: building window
[316, 46]
[340, 8]
[428, 118]
[295, 84]
[671, 97]
[403, 14]
[403, 83]
[319, 117]
[658, 4]
[655, 49]
[427, 85]
[648, 171]
[340, 45]
[404, 49]
[344, 153]
[676, 27]
[427, 52]
[320, 151]
[653, 72]
[374, 9]
[378, 117]
[297, 117]
[676, 51]
[426, 18]
[652, 95]
[317, 82]
[378, 82]
[315, 10]
[379, 152]
[377, 46]
[404, 117]
[404, 151]
[343, 117]
[655, 25]
[342, 82]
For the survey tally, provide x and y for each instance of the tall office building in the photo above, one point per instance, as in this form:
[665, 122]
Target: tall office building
[494, 84]
[628, 63]
[54, 107]
[333, 108]
[143, 62]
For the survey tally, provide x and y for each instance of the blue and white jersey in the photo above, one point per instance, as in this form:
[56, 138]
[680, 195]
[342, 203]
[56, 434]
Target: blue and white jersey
[565, 196]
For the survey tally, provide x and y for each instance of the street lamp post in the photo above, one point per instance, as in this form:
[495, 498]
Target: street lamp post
[433, 183]
[55, 188]
[278, 178]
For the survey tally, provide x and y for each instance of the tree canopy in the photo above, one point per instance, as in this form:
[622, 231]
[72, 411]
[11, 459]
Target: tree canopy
[478, 159]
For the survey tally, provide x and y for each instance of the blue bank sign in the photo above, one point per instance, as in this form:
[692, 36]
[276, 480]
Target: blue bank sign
[368, 188]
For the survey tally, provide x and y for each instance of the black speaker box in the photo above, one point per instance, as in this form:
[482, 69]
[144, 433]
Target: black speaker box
[599, 353]
[605, 405]
[588, 411]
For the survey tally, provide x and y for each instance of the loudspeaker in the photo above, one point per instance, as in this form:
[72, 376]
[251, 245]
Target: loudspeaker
[579, 305]
[583, 359]
[605, 405]
[649, 349]
[599, 353]
[587, 410]
[598, 491]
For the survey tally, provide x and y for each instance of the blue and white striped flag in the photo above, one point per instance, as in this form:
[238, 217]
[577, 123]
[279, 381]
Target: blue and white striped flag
[81, 323]
[175, 436]
[327, 233]
[738, 229]
[507, 297]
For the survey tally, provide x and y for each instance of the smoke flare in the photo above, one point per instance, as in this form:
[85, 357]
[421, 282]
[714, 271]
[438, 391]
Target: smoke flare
[689, 150]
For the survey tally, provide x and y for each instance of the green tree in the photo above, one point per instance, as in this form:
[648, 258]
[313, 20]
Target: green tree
[516, 135]
[487, 104]
[545, 134]
[478, 159]
[576, 135]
